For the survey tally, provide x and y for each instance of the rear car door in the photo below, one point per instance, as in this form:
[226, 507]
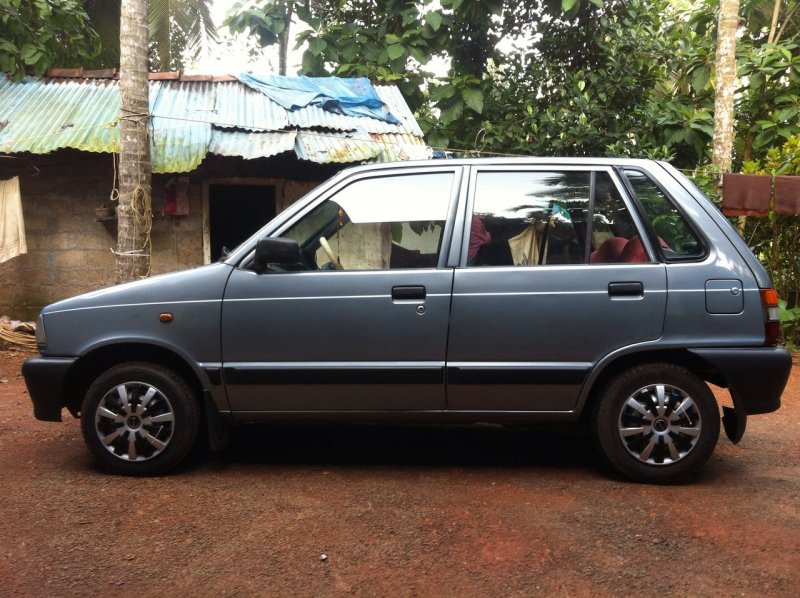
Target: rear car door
[361, 323]
[557, 274]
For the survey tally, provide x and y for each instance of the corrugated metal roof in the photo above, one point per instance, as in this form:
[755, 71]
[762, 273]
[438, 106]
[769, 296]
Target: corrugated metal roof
[238, 106]
[396, 103]
[193, 118]
[181, 124]
[250, 145]
[40, 116]
[358, 147]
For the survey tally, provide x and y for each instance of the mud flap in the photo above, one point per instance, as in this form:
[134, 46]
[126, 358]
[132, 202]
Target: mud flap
[218, 425]
[734, 421]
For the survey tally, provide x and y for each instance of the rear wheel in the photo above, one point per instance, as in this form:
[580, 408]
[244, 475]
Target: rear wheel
[656, 423]
[139, 419]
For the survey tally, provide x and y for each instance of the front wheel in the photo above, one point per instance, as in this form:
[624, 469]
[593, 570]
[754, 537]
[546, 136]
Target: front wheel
[139, 419]
[656, 423]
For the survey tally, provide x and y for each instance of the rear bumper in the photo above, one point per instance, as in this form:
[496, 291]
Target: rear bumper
[755, 376]
[45, 378]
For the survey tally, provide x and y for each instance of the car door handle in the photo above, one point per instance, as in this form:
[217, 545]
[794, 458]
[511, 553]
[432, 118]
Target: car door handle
[625, 289]
[408, 293]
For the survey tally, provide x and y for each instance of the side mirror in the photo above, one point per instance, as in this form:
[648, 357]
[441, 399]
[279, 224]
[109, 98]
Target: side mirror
[276, 250]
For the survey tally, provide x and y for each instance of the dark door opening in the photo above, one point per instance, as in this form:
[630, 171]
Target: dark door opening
[236, 212]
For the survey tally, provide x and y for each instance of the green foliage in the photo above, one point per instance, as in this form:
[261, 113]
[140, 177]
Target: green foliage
[178, 29]
[265, 21]
[583, 86]
[776, 239]
[387, 43]
[37, 34]
[768, 78]
[770, 105]
[790, 325]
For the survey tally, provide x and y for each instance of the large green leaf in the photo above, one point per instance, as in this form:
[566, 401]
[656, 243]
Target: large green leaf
[316, 45]
[434, 19]
[437, 139]
[452, 113]
[700, 78]
[395, 51]
[473, 97]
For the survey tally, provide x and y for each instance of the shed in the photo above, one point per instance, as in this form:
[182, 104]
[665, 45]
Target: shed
[225, 159]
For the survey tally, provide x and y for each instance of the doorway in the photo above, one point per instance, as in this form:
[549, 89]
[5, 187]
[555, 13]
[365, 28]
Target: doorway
[235, 212]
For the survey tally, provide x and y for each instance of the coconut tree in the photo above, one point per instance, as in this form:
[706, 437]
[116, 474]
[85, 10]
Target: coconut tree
[134, 213]
[725, 73]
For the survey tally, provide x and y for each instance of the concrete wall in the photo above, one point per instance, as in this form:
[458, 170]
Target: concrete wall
[69, 252]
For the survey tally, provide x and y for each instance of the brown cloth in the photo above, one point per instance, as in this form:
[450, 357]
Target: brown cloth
[746, 194]
[787, 195]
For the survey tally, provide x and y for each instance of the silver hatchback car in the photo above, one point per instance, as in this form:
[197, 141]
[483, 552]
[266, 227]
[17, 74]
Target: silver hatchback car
[462, 291]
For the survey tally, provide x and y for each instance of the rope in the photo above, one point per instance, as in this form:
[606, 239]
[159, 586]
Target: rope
[114, 195]
[17, 338]
[140, 210]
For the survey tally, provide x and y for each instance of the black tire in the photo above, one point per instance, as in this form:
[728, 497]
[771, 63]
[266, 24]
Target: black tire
[656, 423]
[140, 418]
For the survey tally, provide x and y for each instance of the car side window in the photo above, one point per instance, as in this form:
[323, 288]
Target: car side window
[543, 218]
[675, 236]
[377, 223]
[614, 237]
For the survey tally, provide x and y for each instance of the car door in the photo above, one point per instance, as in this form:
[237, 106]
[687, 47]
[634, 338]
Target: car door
[557, 275]
[360, 324]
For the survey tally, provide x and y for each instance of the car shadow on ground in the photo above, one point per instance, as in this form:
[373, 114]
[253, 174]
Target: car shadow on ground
[430, 446]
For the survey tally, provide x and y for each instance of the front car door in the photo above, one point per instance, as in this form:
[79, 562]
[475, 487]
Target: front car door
[361, 323]
[556, 275]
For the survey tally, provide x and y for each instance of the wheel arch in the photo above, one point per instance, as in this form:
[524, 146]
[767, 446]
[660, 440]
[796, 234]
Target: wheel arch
[609, 370]
[95, 362]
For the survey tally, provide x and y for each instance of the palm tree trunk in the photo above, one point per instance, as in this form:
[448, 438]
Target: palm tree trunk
[773, 28]
[134, 211]
[725, 78]
[283, 39]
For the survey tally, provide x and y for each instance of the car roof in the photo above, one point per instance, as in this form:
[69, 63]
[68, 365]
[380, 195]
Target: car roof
[508, 161]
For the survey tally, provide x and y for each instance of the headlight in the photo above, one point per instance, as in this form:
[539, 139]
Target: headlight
[41, 335]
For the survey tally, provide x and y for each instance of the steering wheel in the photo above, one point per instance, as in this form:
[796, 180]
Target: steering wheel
[326, 247]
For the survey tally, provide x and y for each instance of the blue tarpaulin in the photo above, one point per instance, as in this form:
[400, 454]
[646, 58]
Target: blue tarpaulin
[353, 97]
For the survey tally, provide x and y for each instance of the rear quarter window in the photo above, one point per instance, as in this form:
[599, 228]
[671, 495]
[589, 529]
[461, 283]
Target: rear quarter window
[677, 240]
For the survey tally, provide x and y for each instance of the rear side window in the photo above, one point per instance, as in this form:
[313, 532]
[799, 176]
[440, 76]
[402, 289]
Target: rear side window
[676, 238]
[529, 218]
[538, 218]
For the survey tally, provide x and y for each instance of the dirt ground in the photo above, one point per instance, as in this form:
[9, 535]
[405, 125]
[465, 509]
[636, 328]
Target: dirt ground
[394, 512]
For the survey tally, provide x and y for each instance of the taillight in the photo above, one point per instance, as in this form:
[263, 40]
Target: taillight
[772, 317]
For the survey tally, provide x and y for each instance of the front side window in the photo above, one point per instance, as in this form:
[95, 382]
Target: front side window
[549, 217]
[377, 224]
[675, 236]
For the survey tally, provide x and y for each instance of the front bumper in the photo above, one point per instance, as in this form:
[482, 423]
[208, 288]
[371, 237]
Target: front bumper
[45, 378]
[755, 376]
